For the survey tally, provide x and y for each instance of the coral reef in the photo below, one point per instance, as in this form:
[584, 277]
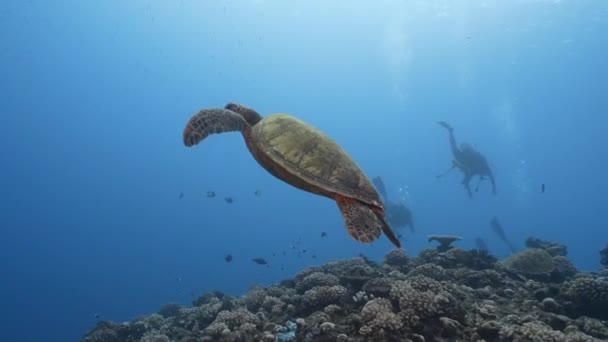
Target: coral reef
[455, 295]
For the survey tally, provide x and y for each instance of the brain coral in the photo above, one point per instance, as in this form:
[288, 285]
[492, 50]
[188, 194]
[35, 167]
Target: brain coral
[532, 261]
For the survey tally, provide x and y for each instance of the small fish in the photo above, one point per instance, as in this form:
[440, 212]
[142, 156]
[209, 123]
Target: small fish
[96, 315]
[178, 279]
[303, 251]
[542, 188]
[314, 256]
[210, 194]
[323, 234]
[181, 195]
[228, 200]
[260, 261]
[258, 193]
[228, 258]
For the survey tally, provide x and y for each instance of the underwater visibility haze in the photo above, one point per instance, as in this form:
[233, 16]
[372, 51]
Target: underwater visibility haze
[107, 216]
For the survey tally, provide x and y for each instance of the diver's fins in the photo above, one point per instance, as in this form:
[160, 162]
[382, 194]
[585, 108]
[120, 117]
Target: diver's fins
[445, 125]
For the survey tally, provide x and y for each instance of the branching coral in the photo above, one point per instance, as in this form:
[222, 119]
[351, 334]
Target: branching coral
[378, 315]
[316, 279]
[588, 296]
[429, 270]
[321, 296]
[396, 257]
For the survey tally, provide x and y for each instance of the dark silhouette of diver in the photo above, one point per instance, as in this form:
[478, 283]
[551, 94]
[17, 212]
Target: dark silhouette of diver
[397, 213]
[469, 161]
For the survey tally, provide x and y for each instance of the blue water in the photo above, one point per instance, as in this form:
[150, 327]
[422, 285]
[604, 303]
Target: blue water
[95, 95]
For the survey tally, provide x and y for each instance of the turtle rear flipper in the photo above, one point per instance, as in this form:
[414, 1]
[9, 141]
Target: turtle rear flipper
[362, 223]
[212, 121]
[388, 231]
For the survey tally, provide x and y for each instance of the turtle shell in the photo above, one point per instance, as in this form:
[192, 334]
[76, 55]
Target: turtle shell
[312, 160]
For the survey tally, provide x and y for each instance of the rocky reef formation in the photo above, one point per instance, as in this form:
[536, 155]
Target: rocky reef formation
[604, 256]
[551, 247]
[456, 295]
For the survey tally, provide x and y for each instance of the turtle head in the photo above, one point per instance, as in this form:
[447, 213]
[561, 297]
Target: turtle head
[251, 116]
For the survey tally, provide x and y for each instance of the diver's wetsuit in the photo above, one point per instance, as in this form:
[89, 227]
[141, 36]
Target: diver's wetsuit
[397, 213]
[469, 161]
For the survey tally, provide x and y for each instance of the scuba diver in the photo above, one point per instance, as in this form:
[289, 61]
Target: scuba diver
[397, 214]
[469, 161]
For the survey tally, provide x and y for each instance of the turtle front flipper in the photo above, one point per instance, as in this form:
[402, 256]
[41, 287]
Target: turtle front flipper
[212, 121]
[362, 223]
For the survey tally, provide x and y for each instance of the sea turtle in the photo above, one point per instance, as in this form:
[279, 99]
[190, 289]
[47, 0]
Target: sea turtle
[303, 156]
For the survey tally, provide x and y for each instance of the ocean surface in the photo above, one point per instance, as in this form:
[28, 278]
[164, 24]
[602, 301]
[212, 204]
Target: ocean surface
[105, 214]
